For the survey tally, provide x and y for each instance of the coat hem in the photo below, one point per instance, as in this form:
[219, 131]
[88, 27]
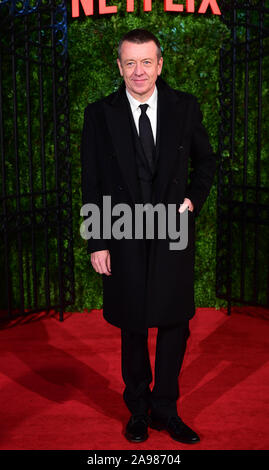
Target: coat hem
[154, 325]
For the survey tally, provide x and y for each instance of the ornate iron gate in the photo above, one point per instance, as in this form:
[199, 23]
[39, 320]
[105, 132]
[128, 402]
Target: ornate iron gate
[243, 177]
[36, 241]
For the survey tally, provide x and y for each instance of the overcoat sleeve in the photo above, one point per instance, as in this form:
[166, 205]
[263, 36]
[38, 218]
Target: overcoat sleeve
[203, 162]
[90, 175]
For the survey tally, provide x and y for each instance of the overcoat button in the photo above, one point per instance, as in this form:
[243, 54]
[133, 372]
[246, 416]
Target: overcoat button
[120, 188]
[180, 147]
[175, 180]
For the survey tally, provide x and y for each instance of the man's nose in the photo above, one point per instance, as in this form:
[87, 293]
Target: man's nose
[139, 69]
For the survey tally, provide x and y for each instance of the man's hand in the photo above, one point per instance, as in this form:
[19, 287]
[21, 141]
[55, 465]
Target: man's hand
[101, 262]
[186, 203]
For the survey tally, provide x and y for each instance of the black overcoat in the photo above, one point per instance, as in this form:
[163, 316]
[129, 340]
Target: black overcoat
[138, 294]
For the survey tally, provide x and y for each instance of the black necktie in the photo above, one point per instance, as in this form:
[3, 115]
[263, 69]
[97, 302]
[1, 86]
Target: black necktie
[146, 135]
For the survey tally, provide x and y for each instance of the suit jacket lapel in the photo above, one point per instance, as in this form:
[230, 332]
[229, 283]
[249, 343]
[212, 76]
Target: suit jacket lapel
[116, 112]
[170, 131]
[170, 120]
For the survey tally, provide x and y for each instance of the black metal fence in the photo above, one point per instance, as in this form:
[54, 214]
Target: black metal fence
[243, 177]
[36, 242]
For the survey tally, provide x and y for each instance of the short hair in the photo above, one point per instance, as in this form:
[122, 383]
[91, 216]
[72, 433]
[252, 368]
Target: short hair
[140, 36]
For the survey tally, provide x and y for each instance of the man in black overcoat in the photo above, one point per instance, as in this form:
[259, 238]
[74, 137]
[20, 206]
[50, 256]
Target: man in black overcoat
[146, 144]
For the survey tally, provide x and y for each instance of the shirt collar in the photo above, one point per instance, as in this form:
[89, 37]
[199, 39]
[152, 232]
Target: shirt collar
[151, 101]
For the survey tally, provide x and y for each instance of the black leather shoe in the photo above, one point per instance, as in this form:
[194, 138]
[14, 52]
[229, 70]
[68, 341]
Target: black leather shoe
[178, 430]
[137, 428]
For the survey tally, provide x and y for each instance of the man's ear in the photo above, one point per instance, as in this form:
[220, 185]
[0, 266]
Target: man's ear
[120, 67]
[160, 65]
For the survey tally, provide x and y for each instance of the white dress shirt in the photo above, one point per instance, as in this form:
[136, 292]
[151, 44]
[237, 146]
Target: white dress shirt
[151, 110]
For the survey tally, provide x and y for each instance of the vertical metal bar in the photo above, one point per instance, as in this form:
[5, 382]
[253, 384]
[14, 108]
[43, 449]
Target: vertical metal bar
[43, 163]
[219, 175]
[64, 142]
[266, 260]
[6, 247]
[30, 158]
[258, 158]
[17, 167]
[245, 160]
[232, 146]
[57, 164]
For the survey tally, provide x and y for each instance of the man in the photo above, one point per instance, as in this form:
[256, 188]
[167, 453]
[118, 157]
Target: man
[137, 146]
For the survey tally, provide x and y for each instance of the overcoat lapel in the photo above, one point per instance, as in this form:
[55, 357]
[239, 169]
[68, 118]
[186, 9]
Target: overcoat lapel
[170, 129]
[116, 111]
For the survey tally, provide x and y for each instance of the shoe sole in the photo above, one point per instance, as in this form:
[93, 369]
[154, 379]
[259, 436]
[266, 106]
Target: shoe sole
[136, 441]
[159, 427]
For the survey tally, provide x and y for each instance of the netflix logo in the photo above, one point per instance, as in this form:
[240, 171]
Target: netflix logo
[169, 5]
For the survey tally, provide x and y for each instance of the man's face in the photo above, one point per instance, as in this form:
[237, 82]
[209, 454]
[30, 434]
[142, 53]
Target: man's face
[140, 68]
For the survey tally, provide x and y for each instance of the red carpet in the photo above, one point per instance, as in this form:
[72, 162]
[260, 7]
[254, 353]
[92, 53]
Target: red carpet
[61, 384]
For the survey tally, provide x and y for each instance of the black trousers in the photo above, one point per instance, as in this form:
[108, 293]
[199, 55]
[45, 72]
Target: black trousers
[137, 374]
[136, 369]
